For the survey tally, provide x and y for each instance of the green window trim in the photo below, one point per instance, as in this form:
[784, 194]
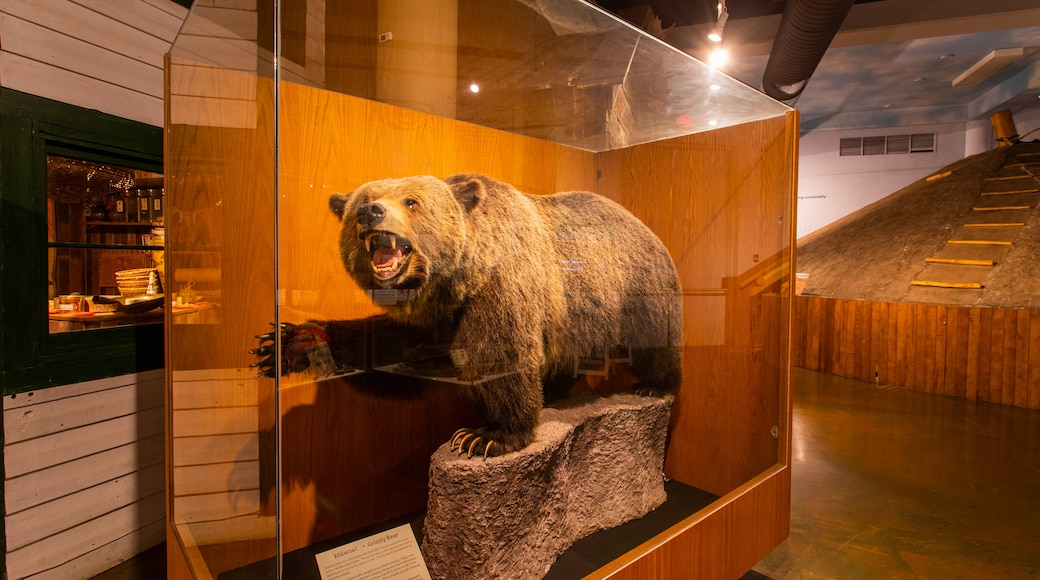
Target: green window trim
[31, 358]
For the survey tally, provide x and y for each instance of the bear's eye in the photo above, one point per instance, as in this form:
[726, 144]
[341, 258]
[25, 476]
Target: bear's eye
[410, 203]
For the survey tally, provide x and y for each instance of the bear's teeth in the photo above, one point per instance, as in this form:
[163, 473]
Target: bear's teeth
[393, 242]
[392, 266]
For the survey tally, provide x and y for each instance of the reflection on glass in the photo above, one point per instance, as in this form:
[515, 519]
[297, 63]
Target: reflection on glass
[105, 245]
[565, 72]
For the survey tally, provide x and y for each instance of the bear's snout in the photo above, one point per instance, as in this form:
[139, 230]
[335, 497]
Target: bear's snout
[370, 214]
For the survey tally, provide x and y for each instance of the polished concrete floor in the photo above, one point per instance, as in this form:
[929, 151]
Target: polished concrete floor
[889, 483]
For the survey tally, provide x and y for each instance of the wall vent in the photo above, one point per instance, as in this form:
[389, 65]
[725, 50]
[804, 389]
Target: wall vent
[887, 144]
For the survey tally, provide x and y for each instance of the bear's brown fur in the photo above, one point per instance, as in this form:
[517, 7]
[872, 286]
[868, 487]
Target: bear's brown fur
[518, 287]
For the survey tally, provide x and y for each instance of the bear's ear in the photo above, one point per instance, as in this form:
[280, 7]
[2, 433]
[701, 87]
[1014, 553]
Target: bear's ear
[469, 192]
[338, 203]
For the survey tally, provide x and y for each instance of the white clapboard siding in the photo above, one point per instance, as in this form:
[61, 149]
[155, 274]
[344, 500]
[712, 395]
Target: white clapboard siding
[61, 548]
[28, 526]
[85, 475]
[91, 27]
[98, 54]
[74, 411]
[108, 555]
[55, 49]
[28, 456]
[49, 484]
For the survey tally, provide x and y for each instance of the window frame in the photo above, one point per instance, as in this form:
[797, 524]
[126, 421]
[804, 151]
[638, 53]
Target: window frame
[32, 358]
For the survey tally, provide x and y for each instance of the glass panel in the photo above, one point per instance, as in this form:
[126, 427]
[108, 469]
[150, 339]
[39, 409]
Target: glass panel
[221, 263]
[542, 96]
[105, 240]
[566, 71]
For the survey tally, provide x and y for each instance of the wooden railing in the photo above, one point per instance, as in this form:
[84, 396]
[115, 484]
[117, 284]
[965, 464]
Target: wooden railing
[977, 353]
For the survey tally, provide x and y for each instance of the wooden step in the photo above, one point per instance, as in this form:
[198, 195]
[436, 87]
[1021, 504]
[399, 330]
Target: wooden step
[1002, 208]
[937, 284]
[980, 242]
[1007, 177]
[1010, 192]
[959, 261]
[1004, 225]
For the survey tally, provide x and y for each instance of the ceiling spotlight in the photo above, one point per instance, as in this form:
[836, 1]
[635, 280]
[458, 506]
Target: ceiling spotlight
[474, 88]
[720, 23]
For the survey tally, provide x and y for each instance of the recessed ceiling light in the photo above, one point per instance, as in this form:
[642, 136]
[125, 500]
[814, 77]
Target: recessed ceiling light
[947, 56]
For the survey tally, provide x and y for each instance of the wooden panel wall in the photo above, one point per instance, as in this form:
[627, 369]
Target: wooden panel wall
[976, 353]
[98, 54]
[85, 479]
[715, 199]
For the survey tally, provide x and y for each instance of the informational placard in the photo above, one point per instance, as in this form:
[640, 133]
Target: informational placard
[390, 555]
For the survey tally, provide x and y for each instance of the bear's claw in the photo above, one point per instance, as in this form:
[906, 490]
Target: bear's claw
[463, 436]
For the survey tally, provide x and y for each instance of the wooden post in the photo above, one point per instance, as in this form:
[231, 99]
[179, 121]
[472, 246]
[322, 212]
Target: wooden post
[1004, 128]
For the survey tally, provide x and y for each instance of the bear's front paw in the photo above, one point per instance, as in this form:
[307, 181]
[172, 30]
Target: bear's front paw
[304, 346]
[484, 443]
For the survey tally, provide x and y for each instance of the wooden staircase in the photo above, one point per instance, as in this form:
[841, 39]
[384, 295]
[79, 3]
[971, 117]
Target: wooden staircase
[957, 273]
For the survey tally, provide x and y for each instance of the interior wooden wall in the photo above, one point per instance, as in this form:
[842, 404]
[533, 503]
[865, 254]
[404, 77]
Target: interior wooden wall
[976, 353]
[721, 201]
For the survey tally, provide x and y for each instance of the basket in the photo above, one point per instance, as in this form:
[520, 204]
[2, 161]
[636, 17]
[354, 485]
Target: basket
[138, 281]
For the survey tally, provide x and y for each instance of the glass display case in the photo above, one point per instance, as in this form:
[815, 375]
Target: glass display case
[275, 108]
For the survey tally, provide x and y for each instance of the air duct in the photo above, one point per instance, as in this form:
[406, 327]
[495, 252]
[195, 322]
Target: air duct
[806, 30]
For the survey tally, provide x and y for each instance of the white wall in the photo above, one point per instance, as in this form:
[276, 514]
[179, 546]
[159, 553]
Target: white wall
[1026, 122]
[830, 186]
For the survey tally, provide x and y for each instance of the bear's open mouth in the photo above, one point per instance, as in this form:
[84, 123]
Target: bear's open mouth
[388, 252]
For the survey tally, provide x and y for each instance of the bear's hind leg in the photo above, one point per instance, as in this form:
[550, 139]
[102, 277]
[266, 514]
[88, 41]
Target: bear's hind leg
[659, 370]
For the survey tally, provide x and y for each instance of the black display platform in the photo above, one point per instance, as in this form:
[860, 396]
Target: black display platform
[584, 557]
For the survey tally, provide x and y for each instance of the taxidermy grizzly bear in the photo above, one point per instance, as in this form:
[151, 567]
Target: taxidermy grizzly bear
[515, 288]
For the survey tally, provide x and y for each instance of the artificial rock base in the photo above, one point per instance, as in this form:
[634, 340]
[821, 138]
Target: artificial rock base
[591, 467]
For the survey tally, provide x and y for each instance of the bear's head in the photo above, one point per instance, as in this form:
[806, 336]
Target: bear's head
[404, 233]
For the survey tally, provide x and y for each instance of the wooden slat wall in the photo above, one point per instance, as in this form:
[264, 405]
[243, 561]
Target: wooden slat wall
[976, 353]
[84, 468]
[99, 54]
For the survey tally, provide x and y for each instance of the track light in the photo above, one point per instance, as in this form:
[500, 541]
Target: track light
[720, 22]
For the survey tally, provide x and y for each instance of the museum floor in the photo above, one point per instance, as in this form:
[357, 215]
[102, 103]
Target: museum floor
[891, 484]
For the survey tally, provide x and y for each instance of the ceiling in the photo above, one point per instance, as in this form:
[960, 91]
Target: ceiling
[891, 64]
